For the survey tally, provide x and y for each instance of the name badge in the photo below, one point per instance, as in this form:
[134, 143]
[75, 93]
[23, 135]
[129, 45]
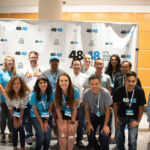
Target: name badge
[68, 113]
[16, 114]
[133, 100]
[129, 112]
[44, 114]
[98, 113]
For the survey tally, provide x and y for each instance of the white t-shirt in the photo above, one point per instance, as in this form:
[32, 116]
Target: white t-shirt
[89, 71]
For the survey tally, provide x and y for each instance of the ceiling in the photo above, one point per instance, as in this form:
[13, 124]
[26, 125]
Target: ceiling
[78, 2]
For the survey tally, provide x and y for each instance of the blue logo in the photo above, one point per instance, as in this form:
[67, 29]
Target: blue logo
[109, 43]
[4, 40]
[74, 42]
[94, 54]
[92, 30]
[22, 28]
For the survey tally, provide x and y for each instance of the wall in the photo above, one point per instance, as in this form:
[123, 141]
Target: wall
[144, 33]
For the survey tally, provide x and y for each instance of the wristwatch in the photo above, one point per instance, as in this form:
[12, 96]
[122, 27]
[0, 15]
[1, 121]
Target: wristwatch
[72, 122]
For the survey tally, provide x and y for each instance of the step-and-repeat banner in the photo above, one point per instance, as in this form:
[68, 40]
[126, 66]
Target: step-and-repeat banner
[66, 39]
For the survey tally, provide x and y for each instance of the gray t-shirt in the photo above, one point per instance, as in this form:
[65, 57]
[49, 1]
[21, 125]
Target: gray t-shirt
[91, 99]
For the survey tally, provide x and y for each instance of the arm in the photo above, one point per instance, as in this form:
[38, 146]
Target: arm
[2, 90]
[74, 111]
[136, 122]
[87, 114]
[21, 116]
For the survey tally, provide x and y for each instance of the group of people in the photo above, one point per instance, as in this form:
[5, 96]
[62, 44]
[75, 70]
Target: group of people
[85, 96]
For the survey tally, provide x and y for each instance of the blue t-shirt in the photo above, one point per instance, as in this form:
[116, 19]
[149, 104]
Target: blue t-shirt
[43, 105]
[76, 96]
[5, 77]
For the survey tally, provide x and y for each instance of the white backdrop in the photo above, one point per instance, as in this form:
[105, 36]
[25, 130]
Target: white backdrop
[66, 39]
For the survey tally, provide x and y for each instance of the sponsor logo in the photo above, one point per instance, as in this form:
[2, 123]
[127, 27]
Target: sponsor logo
[24, 53]
[126, 32]
[22, 28]
[74, 42]
[109, 43]
[56, 42]
[92, 30]
[56, 54]
[57, 29]
[92, 43]
[21, 41]
[4, 40]
[94, 54]
[38, 41]
[126, 56]
[20, 65]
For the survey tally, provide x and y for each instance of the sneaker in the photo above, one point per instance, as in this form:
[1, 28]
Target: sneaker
[29, 140]
[10, 139]
[80, 144]
[3, 139]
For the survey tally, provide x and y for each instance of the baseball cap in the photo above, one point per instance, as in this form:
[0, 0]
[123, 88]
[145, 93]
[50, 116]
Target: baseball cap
[54, 57]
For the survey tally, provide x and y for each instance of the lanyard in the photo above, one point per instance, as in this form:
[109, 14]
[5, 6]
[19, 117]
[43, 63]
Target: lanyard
[54, 74]
[65, 101]
[43, 102]
[130, 103]
[97, 105]
[123, 80]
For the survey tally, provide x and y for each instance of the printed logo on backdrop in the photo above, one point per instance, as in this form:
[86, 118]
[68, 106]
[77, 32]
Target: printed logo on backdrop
[56, 42]
[56, 54]
[3, 40]
[38, 41]
[20, 65]
[19, 28]
[95, 54]
[92, 30]
[126, 56]
[109, 43]
[21, 41]
[126, 32]
[23, 53]
[92, 43]
[57, 29]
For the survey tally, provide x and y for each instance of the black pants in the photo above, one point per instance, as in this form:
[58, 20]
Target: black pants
[5, 115]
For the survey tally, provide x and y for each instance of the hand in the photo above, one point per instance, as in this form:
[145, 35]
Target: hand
[42, 126]
[20, 122]
[89, 128]
[71, 128]
[15, 123]
[133, 124]
[117, 121]
[46, 126]
[106, 130]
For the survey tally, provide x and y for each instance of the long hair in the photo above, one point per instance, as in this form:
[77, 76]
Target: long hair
[9, 88]
[58, 92]
[109, 68]
[37, 89]
[5, 65]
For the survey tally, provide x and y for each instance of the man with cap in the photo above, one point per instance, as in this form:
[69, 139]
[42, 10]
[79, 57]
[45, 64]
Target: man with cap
[53, 72]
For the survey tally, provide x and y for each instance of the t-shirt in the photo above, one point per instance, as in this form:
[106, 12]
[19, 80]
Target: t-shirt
[5, 76]
[76, 93]
[105, 81]
[30, 75]
[92, 100]
[120, 97]
[52, 76]
[89, 71]
[43, 105]
[19, 103]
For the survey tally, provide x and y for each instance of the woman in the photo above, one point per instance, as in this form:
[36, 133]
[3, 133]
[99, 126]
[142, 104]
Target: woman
[41, 101]
[113, 67]
[17, 97]
[66, 102]
[8, 70]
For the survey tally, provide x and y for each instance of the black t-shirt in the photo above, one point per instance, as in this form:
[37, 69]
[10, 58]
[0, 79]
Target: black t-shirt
[120, 97]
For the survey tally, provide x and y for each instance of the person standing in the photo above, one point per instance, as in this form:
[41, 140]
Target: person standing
[66, 102]
[97, 102]
[128, 104]
[30, 74]
[8, 70]
[17, 96]
[41, 100]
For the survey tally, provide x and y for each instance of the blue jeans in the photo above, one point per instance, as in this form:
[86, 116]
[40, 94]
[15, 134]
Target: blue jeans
[103, 138]
[27, 121]
[132, 134]
[42, 138]
[80, 128]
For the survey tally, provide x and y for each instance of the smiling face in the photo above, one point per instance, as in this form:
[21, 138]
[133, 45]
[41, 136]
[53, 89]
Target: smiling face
[95, 85]
[42, 85]
[76, 66]
[99, 65]
[64, 83]
[16, 86]
[114, 61]
[87, 59]
[33, 58]
[10, 62]
[130, 82]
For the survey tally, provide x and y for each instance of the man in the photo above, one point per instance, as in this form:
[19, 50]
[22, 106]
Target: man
[125, 67]
[54, 71]
[30, 75]
[87, 68]
[129, 101]
[104, 78]
[97, 101]
[78, 79]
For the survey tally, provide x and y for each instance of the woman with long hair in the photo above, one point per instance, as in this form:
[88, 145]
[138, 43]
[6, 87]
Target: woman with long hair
[41, 101]
[8, 70]
[17, 97]
[113, 68]
[66, 102]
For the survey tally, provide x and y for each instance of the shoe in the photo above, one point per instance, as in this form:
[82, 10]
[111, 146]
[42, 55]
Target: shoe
[29, 140]
[80, 144]
[10, 139]
[3, 139]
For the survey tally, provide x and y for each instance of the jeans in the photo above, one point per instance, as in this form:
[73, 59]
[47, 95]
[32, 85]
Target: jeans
[42, 138]
[27, 121]
[80, 128]
[103, 138]
[5, 115]
[15, 136]
[132, 134]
